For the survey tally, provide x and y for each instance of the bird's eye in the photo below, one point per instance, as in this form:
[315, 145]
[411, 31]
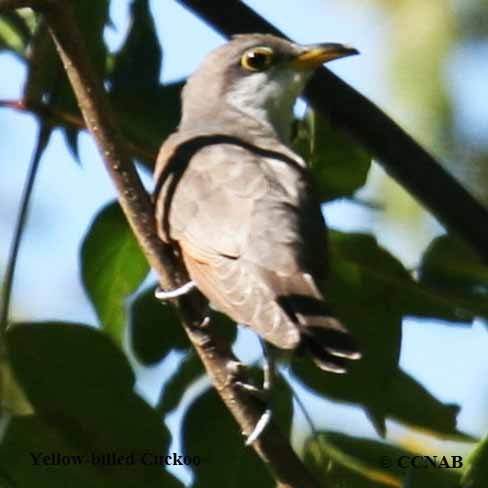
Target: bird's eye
[257, 59]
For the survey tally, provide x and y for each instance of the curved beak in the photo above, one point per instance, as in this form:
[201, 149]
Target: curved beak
[314, 55]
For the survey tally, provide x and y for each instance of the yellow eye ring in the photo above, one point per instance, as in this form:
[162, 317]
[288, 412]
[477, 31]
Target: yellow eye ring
[257, 59]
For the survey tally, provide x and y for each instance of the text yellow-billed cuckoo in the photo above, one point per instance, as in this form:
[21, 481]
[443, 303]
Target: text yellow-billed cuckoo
[237, 202]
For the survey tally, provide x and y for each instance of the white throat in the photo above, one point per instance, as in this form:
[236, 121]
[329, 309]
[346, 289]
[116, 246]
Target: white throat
[269, 99]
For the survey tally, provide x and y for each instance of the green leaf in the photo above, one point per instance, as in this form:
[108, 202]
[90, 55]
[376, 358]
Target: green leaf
[451, 268]
[191, 368]
[137, 65]
[224, 326]
[340, 460]
[25, 439]
[16, 30]
[432, 478]
[156, 331]
[410, 403]
[148, 118]
[339, 165]
[412, 298]
[476, 469]
[147, 110]
[81, 387]
[225, 461]
[92, 23]
[399, 397]
[356, 462]
[71, 138]
[12, 397]
[112, 267]
[45, 72]
[155, 328]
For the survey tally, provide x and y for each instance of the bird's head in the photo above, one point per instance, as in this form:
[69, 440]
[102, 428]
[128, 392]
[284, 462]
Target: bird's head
[257, 75]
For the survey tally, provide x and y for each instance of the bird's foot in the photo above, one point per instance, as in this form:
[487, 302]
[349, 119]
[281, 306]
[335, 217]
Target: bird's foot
[264, 394]
[162, 295]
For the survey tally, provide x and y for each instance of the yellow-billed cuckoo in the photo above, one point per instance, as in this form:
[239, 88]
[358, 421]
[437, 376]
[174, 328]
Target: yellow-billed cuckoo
[237, 202]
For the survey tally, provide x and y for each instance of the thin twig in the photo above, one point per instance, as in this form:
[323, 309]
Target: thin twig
[42, 140]
[222, 367]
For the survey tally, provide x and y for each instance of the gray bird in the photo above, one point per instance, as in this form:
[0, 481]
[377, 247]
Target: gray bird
[237, 202]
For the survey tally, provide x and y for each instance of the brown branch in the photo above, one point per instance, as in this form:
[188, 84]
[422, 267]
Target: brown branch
[222, 367]
[410, 164]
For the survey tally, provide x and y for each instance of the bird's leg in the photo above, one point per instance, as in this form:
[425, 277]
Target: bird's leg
[268, 382]
[161, 294]
[263, 393]
[269, 367]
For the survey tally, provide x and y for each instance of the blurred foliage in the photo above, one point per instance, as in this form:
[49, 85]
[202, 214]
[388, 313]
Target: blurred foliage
[112, 266]
[210, 432]
[449, 264]
[77, 386]
[423, 39]
[382, 296]
[12, 397]
[82, 389]
[476, 474]
[16, 30]
[343, 461]
[149, 341]
[339, 166]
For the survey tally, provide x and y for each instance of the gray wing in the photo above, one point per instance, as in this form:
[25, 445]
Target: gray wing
[238, 225]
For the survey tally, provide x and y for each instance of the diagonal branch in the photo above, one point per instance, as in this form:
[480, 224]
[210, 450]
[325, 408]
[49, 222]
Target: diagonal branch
[222, 367]
[410, 164]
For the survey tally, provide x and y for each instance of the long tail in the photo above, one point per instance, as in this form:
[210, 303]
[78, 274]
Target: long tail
[286, 310]
[323, 336]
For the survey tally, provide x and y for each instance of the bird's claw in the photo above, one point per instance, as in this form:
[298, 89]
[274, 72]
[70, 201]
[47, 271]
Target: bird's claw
[261, 424]
[162, 295]
[262, 394]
